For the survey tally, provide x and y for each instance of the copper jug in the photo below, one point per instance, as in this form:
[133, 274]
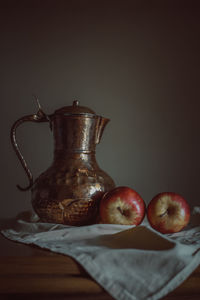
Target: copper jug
[69, 191]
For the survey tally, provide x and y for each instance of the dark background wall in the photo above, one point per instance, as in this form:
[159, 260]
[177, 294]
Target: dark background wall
[135, 62]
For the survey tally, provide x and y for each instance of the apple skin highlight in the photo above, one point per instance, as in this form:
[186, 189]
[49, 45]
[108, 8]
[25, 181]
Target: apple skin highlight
[122, 205]
[168, 212]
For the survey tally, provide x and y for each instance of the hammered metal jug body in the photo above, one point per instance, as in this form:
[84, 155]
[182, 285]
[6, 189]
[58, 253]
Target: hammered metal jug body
[69, 191]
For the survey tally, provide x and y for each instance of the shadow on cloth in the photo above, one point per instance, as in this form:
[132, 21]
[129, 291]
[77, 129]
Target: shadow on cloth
[138, 238]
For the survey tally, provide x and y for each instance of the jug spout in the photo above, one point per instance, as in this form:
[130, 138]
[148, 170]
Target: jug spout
[101, 124]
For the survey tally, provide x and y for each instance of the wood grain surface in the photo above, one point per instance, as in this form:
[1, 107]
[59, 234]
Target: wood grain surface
[28, 272]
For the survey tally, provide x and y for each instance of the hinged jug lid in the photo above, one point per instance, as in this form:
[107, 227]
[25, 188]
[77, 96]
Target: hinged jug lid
[74, 109]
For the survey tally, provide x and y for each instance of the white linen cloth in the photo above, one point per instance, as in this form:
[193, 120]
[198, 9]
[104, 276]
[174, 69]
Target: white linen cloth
[130, 263]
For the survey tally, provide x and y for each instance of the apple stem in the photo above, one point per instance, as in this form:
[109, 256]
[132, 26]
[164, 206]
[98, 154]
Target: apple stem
[123, 212]
[120, 210]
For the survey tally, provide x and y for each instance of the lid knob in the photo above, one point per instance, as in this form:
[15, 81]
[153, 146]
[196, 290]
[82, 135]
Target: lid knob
[75, 103]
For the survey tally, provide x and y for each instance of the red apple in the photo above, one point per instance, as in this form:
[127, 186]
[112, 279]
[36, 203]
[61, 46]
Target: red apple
[122, 205]
[168, 212]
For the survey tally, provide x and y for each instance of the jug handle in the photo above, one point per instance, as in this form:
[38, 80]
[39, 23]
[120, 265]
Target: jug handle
[40, 116]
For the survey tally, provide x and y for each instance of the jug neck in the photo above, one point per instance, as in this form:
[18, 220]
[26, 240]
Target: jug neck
[75, 161]
[63, 155]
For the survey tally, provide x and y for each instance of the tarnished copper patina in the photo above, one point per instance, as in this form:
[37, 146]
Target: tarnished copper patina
[69, 191]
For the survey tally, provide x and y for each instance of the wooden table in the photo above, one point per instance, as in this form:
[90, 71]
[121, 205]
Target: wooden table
[27, 272]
